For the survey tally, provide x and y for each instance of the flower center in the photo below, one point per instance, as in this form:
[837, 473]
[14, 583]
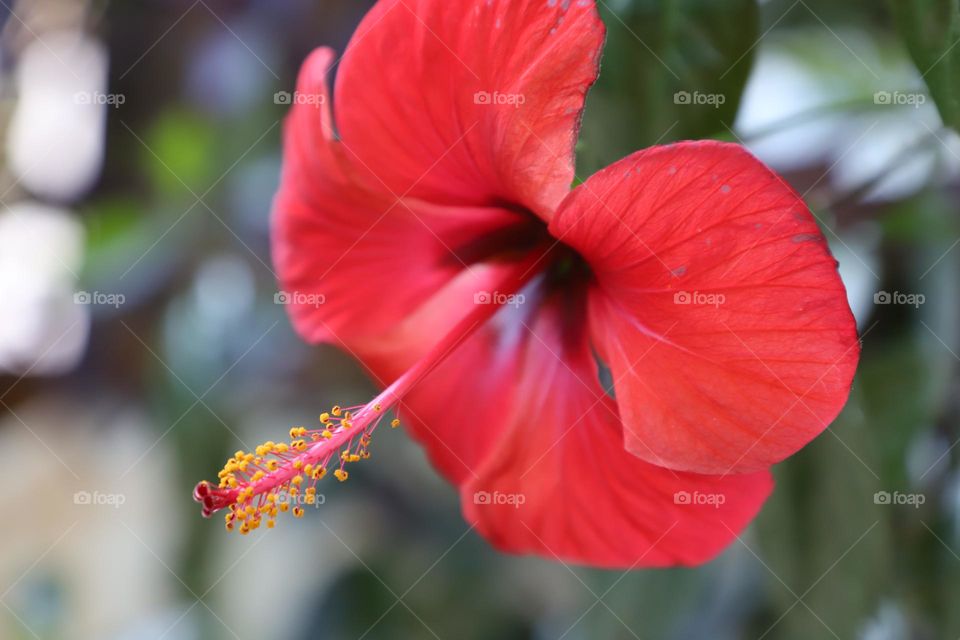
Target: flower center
[280, 477]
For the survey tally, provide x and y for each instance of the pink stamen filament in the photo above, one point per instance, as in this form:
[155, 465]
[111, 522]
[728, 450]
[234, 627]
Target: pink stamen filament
[239, 489]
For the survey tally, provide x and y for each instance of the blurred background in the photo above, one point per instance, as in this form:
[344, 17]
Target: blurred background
[140, 343]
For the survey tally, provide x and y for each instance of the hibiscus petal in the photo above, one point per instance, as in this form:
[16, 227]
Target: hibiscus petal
[718, 306]
[480, 104]
[518, 410]
[352, 258]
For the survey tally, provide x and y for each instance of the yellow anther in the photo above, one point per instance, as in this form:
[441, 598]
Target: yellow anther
[319, 472]
[296, 480]
[327, 434]
[365, 454]
[324, 417]
[271, 524]
[273, 465]
[297, 512]
[311, 491]
[376, 407]
[257, 476]
[341, 475]
[298, 464]
[284, 507]
[395, 423]
[308, 469]
[336, 411]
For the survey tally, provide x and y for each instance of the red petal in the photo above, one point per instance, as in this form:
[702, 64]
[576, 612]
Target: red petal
[410, 82]
[706, 383]
[517, 411]
[353, 258]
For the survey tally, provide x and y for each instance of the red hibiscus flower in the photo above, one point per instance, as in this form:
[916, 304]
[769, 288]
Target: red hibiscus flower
[437, 225]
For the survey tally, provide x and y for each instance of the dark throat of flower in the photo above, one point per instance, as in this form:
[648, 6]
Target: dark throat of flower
[279, 477]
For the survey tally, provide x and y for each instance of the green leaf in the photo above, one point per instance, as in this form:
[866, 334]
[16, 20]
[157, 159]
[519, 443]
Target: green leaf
[178, 154]
[931, 29]
[672, 70]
